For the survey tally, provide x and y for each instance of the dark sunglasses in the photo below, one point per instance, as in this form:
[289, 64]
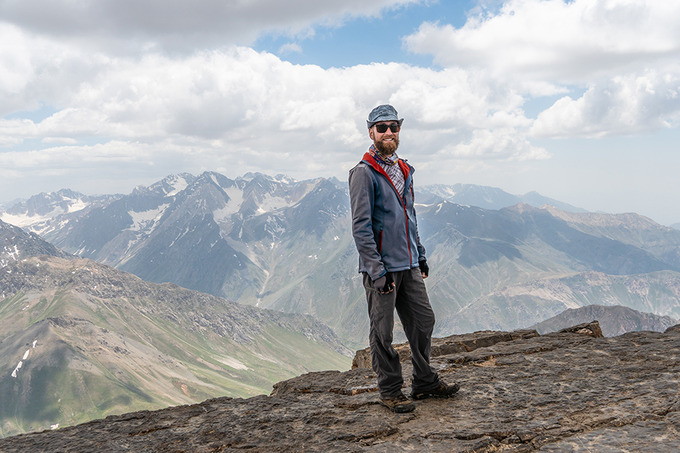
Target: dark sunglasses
[382, 128]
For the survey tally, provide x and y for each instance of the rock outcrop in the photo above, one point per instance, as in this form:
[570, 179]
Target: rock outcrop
[567, 391]
[450, 345]
[614, 320]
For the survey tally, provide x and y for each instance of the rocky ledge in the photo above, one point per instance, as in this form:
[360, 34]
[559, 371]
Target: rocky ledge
[522, 392]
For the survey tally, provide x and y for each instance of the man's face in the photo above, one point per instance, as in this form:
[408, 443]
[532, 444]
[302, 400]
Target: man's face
[386, 142]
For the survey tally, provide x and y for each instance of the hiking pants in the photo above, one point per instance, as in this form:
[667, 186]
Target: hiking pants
[413, 307]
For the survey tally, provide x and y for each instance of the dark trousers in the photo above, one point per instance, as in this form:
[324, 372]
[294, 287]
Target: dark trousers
[413, 307]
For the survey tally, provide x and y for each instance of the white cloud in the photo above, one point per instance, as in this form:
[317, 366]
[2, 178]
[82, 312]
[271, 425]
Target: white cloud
[35, 70]
[557, 41]
[13, 132]
[458, 98]
[131, 25]
[247, 100]
[15, 62]
[621, 54]
[289, 48]
[97, 92]
[623, 105]
[245, 110]
[502, 144]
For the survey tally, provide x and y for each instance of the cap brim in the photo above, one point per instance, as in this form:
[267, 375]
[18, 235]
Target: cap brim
[370, 124]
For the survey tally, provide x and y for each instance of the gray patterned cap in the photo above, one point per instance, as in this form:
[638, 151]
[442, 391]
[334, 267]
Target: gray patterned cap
[383, 112]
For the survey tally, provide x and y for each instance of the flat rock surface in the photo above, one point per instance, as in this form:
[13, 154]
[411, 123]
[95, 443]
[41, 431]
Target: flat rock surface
[560, 392]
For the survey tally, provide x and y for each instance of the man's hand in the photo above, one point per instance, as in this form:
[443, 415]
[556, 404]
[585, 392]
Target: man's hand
[384, 284]
[424, 268]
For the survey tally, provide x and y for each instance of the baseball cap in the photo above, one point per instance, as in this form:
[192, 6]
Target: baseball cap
[383, 112]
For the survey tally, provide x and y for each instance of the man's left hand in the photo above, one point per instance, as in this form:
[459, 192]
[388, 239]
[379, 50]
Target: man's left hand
[424, 268]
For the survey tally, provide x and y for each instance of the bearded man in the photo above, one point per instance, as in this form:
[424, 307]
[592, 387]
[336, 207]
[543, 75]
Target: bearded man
[393, 263]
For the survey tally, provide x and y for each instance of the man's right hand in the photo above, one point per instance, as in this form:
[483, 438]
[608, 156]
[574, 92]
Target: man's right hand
[384, 284]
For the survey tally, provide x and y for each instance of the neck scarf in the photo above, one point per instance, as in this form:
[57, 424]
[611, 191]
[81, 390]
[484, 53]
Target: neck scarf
[385, 160]
[389, 164]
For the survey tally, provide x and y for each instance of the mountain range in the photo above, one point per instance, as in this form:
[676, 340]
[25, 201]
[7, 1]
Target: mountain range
[16, 244]
[81, 340]
[614, 320]
[131, 303]
[274, 242]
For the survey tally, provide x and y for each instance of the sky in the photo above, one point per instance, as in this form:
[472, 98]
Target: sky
[578, 100]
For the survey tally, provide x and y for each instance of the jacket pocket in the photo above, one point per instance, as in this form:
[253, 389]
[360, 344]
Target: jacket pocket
[380, 238]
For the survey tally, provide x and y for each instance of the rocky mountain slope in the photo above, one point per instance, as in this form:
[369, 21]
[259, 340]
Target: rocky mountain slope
[80, 340]
[520, 265]
[277, 243]
[486, 197]
[16, 244]
[614, 320]
[560, 392]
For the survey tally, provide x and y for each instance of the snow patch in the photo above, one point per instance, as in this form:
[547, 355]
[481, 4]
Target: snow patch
[144, 220]
[23, 359]
[9, 254]
[24, 220]
[77, 205]
[232, 207]
[274, 228]
[177, 185]
[271, 203]
[16, 370]
[233, 363]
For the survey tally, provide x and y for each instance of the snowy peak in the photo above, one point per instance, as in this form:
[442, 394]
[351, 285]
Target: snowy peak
[200, 231]
[167, 187]
[485, 197]
[17, 244]
[45, 206]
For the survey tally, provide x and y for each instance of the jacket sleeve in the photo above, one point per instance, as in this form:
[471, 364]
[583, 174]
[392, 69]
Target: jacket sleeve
[419, 246]
[421, 249]
[362, 199]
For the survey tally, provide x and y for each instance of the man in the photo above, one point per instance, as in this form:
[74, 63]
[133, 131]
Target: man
[393, 263]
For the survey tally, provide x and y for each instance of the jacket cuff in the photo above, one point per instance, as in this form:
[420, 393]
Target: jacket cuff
[384, 272]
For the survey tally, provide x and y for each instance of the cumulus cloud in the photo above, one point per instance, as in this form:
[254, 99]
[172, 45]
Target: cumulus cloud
[152, 88]
[557, 41]
[621, 55]
[251, 103]
[624, 104]
[180, 25]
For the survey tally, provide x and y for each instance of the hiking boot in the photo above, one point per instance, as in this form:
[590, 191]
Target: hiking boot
[397, 403]
[444, 390]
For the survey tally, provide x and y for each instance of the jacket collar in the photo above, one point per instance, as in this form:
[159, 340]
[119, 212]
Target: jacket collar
[405, 168]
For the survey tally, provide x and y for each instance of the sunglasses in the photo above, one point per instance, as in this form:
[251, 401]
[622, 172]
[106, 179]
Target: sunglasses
[382, 128]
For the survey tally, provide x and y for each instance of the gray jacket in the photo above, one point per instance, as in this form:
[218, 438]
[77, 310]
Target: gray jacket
[383, 222]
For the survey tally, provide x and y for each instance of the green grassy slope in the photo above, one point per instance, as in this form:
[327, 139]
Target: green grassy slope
[94, 341]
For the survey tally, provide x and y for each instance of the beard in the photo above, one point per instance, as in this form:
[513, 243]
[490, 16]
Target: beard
[387, 149]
